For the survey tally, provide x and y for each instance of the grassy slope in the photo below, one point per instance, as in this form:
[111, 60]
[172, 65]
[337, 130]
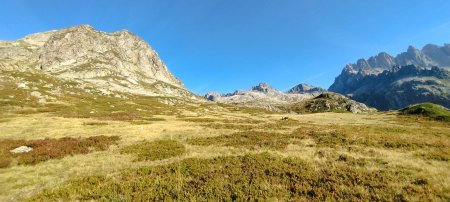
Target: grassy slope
[203, 151]
[428, 109]
[379, 156]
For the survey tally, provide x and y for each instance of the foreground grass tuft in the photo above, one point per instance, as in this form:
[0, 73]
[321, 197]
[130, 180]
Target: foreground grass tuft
[428, 109]
[46, 149]
[156, 150]
[249, 178]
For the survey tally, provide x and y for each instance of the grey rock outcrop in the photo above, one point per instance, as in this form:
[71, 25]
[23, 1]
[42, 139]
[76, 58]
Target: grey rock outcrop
[21, 149]
[386, 82]
[119, 61]
[261, 95]
[328, 102]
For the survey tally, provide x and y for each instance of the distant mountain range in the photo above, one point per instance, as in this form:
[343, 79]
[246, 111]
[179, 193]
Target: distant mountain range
[388, 82]
[120, 64]
[261, 95]
[299, 99]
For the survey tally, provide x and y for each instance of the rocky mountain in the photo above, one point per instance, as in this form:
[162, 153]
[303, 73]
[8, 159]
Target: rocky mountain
[261, 95]
[306, 88]
[112, 62]
[328, 102]
[387, 82]
[302, 98]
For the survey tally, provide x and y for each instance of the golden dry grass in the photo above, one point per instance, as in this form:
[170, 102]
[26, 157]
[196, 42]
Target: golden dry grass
[379, 141]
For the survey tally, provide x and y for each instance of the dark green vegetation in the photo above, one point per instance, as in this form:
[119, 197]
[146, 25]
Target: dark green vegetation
[46, 149]
[426, 142]
[95, 123]
[429, 110]
[156, 150]
[250, 140]
[250, 177]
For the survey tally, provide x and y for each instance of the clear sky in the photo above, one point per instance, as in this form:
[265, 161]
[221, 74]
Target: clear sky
[224, 45]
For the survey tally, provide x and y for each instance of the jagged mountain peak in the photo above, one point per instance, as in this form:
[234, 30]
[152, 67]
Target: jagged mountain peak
[383, 60]
[83, 26]
[412, 50]
[383, 54]
[431, 46]
[264, 88]
[420, 74]
[430, 55]
[306, 88]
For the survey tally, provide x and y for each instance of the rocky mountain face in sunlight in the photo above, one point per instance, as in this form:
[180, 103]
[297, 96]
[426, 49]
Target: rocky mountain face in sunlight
[388, 82]
[302, 98]
[118, 61]
[306, 88]
[261, 95]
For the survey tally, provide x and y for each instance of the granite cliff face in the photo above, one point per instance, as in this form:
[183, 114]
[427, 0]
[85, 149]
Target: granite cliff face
[118, 61]
[387, 82]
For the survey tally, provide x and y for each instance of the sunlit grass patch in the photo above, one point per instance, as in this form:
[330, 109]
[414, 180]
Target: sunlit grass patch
[140, 122]
[429, 110]
[249, 139]
[280, 124]
[250, 177]
[46, 149]
[330, 138]
[146, 120]
[156, 150]
[230, 126]
[398, 138]
[438, 154]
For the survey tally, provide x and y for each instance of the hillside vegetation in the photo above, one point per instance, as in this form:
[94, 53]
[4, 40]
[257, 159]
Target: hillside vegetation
[428, 109]
[328, 102]
[231, 153]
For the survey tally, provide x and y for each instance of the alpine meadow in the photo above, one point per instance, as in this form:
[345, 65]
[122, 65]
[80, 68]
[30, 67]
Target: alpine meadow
[88, 114]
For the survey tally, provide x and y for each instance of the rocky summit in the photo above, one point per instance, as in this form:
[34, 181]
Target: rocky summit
[306, 88]
[388, 82]
[118, 61]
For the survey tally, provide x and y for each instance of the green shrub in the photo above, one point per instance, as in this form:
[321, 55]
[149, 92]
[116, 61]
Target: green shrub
[250, 139]
[95, 123]
[253, 177]
[156, 150]
[200, 120]
[154, 119]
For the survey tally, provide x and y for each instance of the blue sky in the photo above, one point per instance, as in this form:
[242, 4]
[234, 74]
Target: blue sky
[224, 45]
